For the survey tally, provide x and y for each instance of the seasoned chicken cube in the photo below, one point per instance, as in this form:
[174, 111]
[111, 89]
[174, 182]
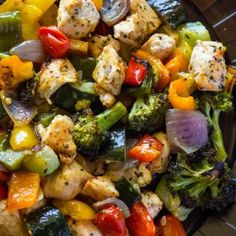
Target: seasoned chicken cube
[109, 72]
[77, 18]
[152, 202]
[58, 135]
[83, 228]
[107, 99]
[10, 222]
[132, 31]
[147, 13]
[160, 45]
[207, 65]
[98, 42]
[66, 182]
[53, 75]
[100, 188]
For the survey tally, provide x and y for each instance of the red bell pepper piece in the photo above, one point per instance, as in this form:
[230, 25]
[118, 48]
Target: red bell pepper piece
[4, 176]
[103, 29]
[170, 226]
[54, 41]
[147, 149]
[111, 221]
[140, 222]
[3, 191]
[135, 73]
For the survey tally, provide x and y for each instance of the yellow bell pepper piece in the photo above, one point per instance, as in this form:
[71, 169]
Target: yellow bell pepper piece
[179, 95]
[23, 138]
[13, 71]
[23, 190]
[98, 4]
[43, 5]
[50, 16]
[11, 5]
[77, 210]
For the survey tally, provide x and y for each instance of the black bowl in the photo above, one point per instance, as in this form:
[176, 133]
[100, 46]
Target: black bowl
[220, 18]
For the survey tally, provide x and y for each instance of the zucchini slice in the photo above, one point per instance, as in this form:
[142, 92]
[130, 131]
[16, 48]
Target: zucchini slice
[47, 221]
[10, 30]
[172, 12]
[127, 193]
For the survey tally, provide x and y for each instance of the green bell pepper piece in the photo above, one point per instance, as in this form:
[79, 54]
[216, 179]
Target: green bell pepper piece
[11, 159]
[44, 161]
[4, 142]
[46, 117]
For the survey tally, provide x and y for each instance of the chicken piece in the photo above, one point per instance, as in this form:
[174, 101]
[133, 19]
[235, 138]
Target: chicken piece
[109, 72]
[149, 16]
[77, 18]
[107, 99]
[160, 45]
[10, 222]
[139, 174]
[207, 65]
[132, 31]
[100, 188]
[152, 202]
[98, 42]
[53, 75]
[58, 135]
[66, 182]
[83, 228]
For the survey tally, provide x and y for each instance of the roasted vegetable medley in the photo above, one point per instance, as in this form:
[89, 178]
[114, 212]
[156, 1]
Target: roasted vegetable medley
[109, 118]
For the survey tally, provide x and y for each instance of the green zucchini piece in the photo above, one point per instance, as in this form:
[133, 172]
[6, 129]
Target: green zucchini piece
[44, 161]
[86, 65]
[47, 221]
[193, 31]
[12, 160]
[172, 12]
[145, 88]
[116, 149]
[10, 30]
[67, 96]
[127, 193]
[45, 118]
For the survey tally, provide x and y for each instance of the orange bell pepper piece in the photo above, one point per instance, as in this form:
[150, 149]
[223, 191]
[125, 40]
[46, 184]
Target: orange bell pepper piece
[23, 190]
[157, 66]
[98, 4]
[179, 95]
[177, 63]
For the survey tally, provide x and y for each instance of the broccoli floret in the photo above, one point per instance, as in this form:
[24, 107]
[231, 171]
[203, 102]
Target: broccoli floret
[212, 104]
[148, 113]
[203, 184]
[91, 132]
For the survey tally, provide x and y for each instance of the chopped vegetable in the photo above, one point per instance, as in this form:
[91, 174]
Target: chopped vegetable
[54, 41]
[4, 176]
[50, 16]
[43, 162]
[2, 111]
[140, 222]
[47, 221]
[170, 226]
[147, 149]
[10, 30]
[23, 137]
[23, 190]
[98, 4]
[77, 210]
[42, 5]
[179, 95]
[3, 191]
[111, 221]
[78, 47]
[46, 117]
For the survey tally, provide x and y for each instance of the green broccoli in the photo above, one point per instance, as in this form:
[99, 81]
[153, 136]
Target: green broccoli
[212, 104]
[148, 113]
[91, 132]
[201, 184]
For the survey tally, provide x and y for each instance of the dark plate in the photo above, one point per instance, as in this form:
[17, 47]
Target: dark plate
[220, 18]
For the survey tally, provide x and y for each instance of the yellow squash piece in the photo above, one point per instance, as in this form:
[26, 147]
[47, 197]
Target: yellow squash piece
[50, 16]
[13, 71]
[79, 47]
[77, 210]
[23, 138]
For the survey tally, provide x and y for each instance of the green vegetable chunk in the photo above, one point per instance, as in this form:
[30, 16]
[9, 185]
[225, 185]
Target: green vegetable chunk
[2, 111]
[11, 159]
[44, 162]
[47, 221]
[46, 117]
[10, 30]
[193, 31]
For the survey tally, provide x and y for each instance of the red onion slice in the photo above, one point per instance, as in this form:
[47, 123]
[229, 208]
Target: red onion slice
[113, 11]
[120, 204]
[186, 130]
